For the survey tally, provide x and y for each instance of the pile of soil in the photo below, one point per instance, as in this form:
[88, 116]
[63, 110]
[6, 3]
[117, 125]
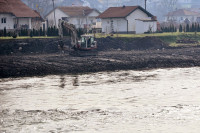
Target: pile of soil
[150, 43]
[51, 45]
[27, 46]
[127, 44]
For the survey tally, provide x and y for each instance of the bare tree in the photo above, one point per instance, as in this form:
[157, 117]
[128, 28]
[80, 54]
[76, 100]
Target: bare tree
[169, 5]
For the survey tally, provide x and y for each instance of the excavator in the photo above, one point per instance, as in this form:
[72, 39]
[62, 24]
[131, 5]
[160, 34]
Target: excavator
[83, 46]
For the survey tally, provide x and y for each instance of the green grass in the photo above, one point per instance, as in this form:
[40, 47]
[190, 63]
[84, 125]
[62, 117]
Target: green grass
[28, 37]
[169, 38]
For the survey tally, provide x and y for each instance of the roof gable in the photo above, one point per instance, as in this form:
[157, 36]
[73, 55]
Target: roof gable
[76, 11]
[17, 8]
[121, 12]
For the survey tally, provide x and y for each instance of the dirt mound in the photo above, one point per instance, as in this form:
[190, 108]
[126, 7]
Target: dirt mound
[26, 46]
[150, 43]
[109, 43]
[130, 43]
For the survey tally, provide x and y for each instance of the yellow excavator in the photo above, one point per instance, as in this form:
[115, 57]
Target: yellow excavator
[83, 46]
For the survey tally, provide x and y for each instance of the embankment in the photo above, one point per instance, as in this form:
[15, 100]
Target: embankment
[43, 57]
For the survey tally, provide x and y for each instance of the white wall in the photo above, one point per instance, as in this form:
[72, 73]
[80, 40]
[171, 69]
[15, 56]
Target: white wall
[119, 25]
[79, 22]
[145, 26]
[9, 21]
[138, 14]
[134, 26]
[58, 15]
[179, 20]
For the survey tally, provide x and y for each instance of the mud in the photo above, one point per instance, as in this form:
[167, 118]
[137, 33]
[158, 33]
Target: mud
[36, 58]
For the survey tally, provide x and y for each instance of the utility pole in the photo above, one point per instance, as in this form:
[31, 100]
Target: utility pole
[145, 1]
[54, 13]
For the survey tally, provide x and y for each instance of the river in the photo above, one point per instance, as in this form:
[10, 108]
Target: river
[149, 101]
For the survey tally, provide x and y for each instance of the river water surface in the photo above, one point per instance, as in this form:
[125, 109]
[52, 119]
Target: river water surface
[151, 101]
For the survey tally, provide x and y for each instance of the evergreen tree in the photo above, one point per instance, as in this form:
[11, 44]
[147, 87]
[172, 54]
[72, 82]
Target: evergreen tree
[41, 33]
[4, 32]
[26, 32]
[175, 29]
[180, 28]
[192, 28]
[198, 28]
[31, 34]
[187, 28]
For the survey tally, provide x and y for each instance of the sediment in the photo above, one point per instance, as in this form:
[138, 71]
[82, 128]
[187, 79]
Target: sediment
[40, 57]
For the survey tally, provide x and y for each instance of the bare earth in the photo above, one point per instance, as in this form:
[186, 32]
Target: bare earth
[59, 63]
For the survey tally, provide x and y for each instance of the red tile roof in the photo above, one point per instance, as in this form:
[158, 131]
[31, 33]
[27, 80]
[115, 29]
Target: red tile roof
[121, 12]
[17, 8]
[183, 12]
[76, 11]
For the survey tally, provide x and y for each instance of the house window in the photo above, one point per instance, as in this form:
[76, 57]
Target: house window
[3, 20]
[65, 19]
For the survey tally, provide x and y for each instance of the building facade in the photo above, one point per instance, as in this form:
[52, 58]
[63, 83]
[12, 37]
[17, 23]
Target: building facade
[182, 15]
[16, 15]
[80, 16]
[127, 19]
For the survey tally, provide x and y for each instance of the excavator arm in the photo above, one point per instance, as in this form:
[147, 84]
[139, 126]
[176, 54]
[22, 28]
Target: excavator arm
[74, 36]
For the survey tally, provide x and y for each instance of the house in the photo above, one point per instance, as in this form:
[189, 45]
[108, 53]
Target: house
[127, 19]
[188, 3]
[181, 15]
[80, 16]
[15, 14]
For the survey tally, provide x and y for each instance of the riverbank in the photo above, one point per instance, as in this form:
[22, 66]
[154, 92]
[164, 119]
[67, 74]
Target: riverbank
[41, 56]
[59, 63]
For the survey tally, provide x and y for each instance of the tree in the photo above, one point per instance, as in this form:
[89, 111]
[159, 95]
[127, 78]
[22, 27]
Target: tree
[187, 28]
[4, 32]
[198, 28]
[192, 28]
[180, 28]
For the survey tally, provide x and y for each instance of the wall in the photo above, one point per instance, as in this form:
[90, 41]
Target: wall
[58, 15]
[36, 23]
[9, 21]
[134, 26]
[145, 26]
[138, 14]
[119, 25]
[79, 22]
[24, 21]
[180, 19]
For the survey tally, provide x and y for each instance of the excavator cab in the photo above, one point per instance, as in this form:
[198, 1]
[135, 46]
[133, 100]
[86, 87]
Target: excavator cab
[87, 42]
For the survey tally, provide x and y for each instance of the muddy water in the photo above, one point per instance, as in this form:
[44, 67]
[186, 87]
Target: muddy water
[155, 101]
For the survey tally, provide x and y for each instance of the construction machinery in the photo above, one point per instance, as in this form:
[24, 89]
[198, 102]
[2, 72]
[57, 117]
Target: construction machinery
[83, 46]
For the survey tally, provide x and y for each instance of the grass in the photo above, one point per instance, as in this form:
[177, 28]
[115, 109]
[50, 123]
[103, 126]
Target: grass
[28, 37]
[169, 38]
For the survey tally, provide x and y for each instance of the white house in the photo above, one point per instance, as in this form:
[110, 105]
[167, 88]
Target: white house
[80, 16]
[127, 19]
[15, 14]
[181, 15]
